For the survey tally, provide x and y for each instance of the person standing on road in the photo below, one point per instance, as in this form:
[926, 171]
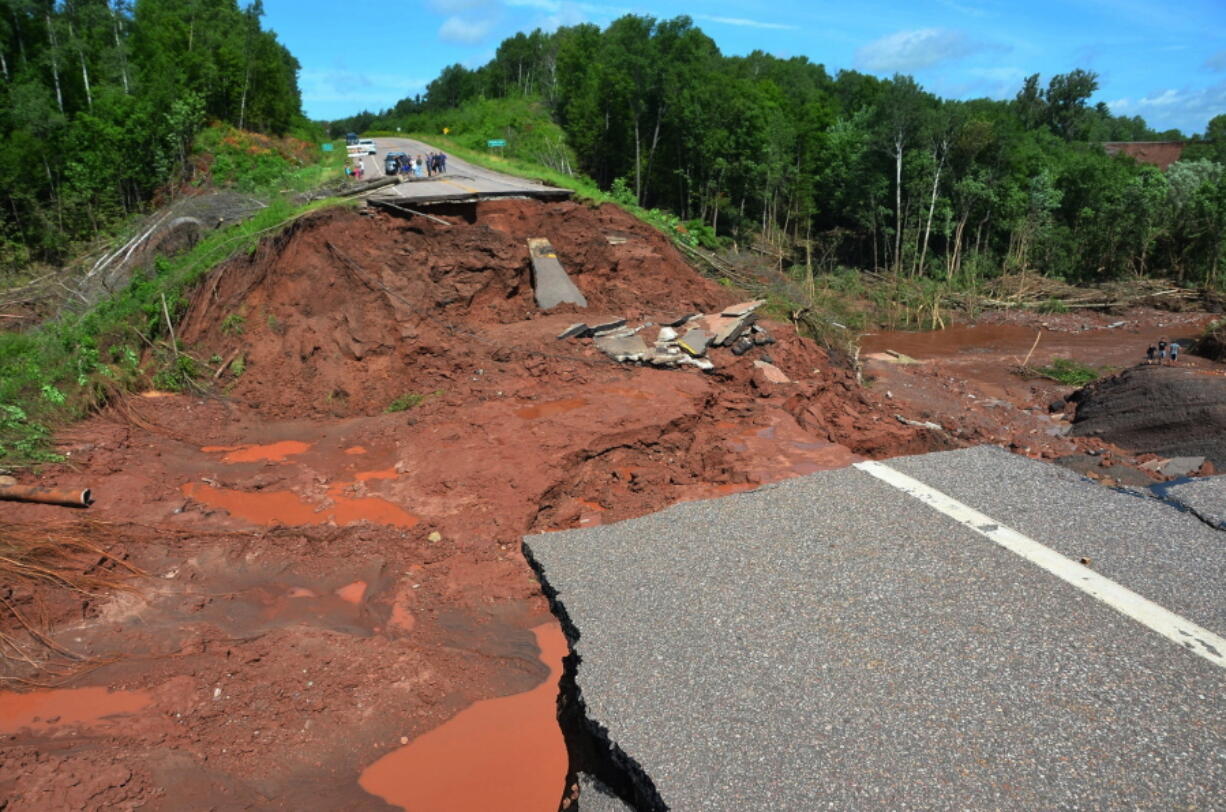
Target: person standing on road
[1174, 353]
[1161, 351]
[442, 163]
[1150, 353]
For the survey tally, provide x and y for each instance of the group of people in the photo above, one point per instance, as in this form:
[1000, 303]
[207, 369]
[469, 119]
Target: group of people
[1162, 351]
[422, 166]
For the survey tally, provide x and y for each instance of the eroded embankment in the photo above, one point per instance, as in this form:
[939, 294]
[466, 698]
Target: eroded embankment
[330, 582]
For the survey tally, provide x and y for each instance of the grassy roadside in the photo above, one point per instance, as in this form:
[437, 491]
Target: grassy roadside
[66, 367]
[62, 369]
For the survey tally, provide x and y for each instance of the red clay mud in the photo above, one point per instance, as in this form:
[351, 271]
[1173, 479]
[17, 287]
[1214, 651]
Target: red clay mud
[968, 381]
[505, 754]
[273, 452]
[328, 578]
[43, 710]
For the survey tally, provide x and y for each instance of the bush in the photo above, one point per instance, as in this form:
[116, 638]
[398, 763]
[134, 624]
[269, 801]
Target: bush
[1069, 372]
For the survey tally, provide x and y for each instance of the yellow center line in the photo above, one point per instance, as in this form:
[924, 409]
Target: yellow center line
[461, 186]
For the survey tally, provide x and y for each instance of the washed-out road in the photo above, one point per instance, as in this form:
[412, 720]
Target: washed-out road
[462, 181]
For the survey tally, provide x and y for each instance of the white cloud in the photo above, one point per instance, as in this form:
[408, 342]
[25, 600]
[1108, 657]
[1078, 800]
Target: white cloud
[905, 51]
[744, 23]
[465, 32]
[1188, 109]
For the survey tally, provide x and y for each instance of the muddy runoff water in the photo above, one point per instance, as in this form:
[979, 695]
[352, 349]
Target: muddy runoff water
[496, 754]
[39, 711]
[980, 344]
[506, 753]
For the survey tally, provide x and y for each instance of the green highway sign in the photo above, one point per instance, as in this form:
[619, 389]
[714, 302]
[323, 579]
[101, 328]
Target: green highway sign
[327, 147]
[496, 142]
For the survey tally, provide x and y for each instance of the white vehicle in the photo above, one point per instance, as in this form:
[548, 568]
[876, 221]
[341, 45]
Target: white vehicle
[368, 144]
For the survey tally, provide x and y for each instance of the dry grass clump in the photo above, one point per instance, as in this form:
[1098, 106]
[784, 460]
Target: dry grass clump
[38, 562]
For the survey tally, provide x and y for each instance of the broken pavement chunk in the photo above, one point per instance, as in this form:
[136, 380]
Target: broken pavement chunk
[729, 329]
[576, 330]
[549, 280]
[742, 345]
[761, 337]
[695, 342]
[607, 326]
[623, 347]
[771, 372]
[742, 309]
[677, 322]
[1181, 466]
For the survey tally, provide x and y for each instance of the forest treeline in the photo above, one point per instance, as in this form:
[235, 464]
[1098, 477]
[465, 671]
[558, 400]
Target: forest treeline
[100, 101]
[865, 172]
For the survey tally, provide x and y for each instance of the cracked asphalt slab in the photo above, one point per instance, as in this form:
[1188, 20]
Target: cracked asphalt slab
[832, 642]
[1204, 497]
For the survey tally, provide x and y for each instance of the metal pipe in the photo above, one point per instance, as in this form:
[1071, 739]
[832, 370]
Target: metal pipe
[69, 497]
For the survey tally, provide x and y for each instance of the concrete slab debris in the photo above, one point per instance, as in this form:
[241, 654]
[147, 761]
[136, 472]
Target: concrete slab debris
[680, 320]
[771, 372]
[622, 347]
[549, 280]
[607, 326]
[729, 329]
[761, 337]
[1181, 466]
[742, 309]
[695, 342]
[576, 330]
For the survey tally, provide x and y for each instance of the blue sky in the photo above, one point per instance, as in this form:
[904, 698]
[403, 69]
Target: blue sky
[1163, 60]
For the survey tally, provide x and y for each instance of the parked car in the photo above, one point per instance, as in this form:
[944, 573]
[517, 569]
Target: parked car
[392, 161]
[369, 145]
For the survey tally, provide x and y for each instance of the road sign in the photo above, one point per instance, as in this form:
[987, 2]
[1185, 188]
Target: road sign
[496, 142]
[327, 147]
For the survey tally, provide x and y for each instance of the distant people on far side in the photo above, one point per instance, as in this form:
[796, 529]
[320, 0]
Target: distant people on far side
[1151, 352]
[1162, 351]
[1174, 353]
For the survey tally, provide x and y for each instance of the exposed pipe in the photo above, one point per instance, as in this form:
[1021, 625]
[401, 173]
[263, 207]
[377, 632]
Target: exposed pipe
[69, 497]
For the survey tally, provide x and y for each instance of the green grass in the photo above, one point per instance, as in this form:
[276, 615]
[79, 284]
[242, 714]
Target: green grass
[1069, 372]
[261, 164]
[408, 400]
[234, 324]
[61, 370]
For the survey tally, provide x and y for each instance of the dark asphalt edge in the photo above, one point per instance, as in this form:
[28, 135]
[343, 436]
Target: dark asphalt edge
[589, 746]
[1161, 492]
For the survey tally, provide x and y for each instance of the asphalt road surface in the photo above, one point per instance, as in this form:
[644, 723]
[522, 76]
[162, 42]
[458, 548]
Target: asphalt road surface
[462, 181]
[840, 641]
